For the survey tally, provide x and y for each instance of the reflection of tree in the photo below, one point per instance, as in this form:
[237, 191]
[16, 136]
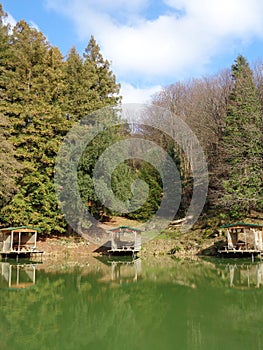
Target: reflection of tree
[29, 315]
[112, 315]
[173, 305]
[55, 306]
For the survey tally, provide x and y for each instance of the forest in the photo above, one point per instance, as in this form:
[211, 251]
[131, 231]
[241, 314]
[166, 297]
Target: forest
[43, 94]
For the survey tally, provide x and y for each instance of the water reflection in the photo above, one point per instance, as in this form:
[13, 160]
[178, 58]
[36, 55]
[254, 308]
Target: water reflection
[123, 271]
[142, 304]
[243, 275]
[17, 276]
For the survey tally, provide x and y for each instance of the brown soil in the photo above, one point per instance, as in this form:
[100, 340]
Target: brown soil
[76, 248]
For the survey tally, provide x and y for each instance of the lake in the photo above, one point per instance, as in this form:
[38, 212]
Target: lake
[154, 303]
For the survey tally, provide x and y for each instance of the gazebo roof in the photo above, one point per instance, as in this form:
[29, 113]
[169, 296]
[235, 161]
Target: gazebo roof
[20, 229]
[241, 224]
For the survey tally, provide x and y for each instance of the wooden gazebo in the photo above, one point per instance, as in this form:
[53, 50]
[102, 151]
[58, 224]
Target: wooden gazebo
[18, 241]
[243, 238]
[125, 239]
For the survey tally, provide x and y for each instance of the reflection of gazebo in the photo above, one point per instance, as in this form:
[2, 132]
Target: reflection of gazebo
[125, 239]
[18, 241]
[123, 270]
[246, 276]
[243, 238]
[17, 276]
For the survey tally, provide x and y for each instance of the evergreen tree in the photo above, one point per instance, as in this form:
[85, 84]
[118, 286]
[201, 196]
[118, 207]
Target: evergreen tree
[32, 95]
[242, 142]
[9, 166]
[148, 174]
[41, 96]
[4, 45]
[91, 87]
[79, 98]
[105, 86]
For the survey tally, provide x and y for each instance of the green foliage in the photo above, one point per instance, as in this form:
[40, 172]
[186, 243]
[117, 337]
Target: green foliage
[41, 96]
[175, 250]
[31, 97]
[243, 146]
[104, 85]
[79, 99]
[86, 167]
[148, 174]
[123, 178]
[9, 166]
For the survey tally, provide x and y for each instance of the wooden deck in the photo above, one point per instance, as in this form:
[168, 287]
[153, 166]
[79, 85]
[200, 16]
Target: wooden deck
[240, 251]
[235, 253]
[20, 254]
[123, 251]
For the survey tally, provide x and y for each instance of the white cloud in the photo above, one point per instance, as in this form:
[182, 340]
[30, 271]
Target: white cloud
[168, 45]
[132, 94]
[178, 43]
[34, 25]
[9, 20]
[12, 22]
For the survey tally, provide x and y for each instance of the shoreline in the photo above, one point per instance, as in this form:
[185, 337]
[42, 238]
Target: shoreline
[77, 248]
[199, 242]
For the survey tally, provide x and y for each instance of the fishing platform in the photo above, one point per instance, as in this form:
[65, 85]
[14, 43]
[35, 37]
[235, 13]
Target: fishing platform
[125, 240]
[243, 239]
[19, 241]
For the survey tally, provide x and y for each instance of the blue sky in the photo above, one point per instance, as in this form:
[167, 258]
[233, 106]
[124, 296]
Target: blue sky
[151, 44]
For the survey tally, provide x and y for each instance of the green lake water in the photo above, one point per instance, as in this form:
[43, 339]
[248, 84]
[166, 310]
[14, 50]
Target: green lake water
[156, 303]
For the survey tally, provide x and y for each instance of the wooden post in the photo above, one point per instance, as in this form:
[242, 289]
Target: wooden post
[260, 240]
[255, 239]
[246, 247]
[229, 239]
[112, 240]
[35, 239]
[19, 240]
[12, 240]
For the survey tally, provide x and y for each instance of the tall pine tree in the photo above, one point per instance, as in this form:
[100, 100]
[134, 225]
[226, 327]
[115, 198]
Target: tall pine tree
[242, 141]
[41, 96]
[9, 166]
[31, 98]
[91, 85]
[105, 85]
[79, 99]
